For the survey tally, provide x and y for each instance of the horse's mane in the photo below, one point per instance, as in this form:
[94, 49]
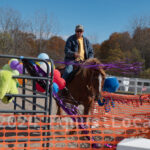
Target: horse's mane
[92, 61]
[87, 66]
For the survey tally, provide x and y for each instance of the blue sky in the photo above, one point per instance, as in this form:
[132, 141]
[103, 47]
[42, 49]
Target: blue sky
[100, 18]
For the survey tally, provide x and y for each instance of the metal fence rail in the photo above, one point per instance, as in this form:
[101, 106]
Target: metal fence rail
[29, 101]
[134, 85]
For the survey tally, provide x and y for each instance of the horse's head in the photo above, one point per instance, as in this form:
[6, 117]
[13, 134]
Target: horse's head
[95, 76]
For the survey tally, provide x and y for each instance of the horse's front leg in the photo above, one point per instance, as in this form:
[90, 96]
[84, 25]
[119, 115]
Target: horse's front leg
[59, 112]
[86, 119]
[88, 108]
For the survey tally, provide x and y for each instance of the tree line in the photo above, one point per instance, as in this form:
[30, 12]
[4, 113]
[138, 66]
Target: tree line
[31, 37]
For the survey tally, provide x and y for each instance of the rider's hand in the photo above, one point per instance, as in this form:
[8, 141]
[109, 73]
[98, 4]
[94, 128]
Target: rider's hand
[76, 55]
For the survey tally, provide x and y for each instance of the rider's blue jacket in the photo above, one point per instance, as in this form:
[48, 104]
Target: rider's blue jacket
[72, 46]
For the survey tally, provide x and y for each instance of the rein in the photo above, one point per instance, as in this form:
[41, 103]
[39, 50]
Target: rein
[71, 97]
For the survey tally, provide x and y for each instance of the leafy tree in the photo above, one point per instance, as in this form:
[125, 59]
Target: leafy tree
[133, 56]
[55, 47]
[97, 50]
[104, 50]
[145, 73]
[115, 55]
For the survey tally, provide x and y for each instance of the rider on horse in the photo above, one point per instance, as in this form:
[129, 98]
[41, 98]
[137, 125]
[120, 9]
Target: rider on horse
[77, 48]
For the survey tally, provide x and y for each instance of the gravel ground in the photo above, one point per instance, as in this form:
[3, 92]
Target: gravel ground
[59, 136]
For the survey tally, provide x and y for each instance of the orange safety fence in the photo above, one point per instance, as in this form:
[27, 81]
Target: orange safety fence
[103, 129]
[124, 104]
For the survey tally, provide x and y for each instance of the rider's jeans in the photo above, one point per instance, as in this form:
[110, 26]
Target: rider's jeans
[67, 72]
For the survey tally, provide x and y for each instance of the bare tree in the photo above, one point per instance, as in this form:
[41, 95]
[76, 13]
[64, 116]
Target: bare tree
[25, 35]
[12, 24]
[6, 19]
[140, 31]
[11, 20]
[44, 27]
[93, 38]
[138, 22]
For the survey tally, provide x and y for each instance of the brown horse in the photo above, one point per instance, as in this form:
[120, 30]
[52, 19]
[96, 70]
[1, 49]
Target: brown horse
[87, 84]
